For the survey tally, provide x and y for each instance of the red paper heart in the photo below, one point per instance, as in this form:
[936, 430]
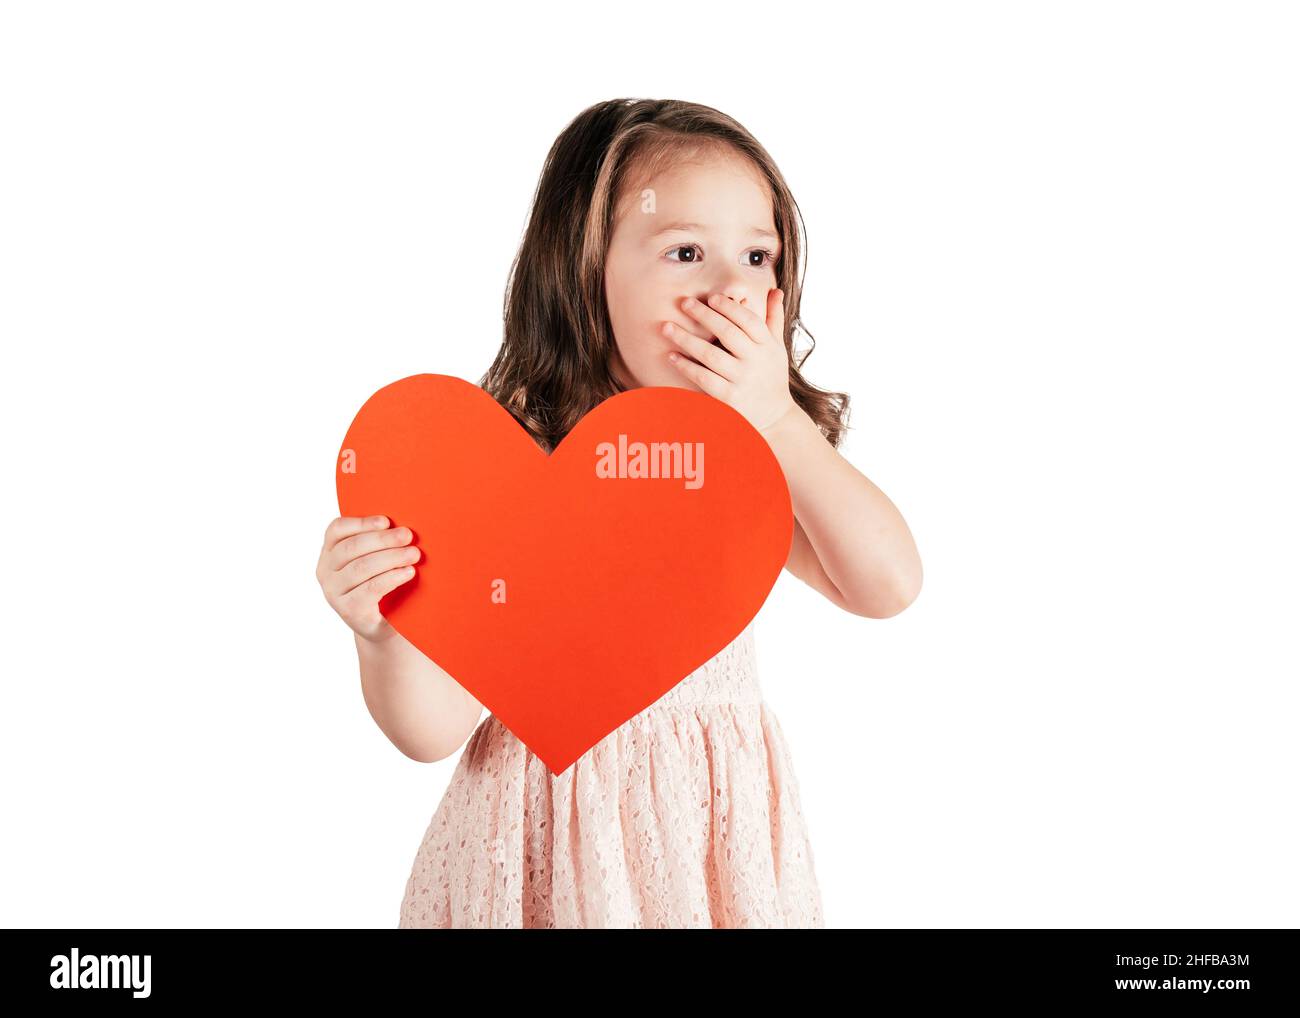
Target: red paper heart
[615, 588]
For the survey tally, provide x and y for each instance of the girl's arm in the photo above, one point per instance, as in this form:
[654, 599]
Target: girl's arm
[425, 713]
[850, 541]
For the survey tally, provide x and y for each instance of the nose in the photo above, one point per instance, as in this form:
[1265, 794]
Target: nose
[731, 285]
[737, 293]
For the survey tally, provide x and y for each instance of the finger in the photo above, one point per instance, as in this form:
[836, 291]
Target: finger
[715, 357]
[707, 380]
[354, 547]
[776, 314]
[731, 334]
[361, 570]
[345, 526]
[693, 328]
[377, 586]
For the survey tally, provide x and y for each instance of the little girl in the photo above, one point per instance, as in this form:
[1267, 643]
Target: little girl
[689, 814]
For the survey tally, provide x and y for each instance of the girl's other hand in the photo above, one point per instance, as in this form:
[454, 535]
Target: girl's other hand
[362, 559]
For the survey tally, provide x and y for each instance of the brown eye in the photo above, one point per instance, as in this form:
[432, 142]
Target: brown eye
[766, 258]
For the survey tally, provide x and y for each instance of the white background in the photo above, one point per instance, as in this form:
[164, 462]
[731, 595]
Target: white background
[1053, 258]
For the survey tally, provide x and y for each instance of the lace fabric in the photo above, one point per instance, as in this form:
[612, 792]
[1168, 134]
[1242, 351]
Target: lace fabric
[688, 815]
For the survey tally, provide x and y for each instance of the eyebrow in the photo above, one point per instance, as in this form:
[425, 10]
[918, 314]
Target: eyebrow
[683, 227]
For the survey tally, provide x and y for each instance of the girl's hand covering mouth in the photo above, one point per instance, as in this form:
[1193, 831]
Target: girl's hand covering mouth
[746, 365]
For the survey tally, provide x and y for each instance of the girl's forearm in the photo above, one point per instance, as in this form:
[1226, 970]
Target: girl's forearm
[862, 540]
[425, 713]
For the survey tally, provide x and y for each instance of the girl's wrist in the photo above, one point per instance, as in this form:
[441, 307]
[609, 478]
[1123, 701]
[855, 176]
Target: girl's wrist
[789, 420]
[381, 639]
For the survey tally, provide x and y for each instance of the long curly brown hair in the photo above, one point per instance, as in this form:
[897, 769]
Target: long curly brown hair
[554, 363]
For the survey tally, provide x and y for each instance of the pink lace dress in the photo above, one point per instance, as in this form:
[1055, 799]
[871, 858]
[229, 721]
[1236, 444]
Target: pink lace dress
[687, 815]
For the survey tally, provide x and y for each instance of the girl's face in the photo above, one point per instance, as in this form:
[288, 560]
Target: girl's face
[702, 228]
